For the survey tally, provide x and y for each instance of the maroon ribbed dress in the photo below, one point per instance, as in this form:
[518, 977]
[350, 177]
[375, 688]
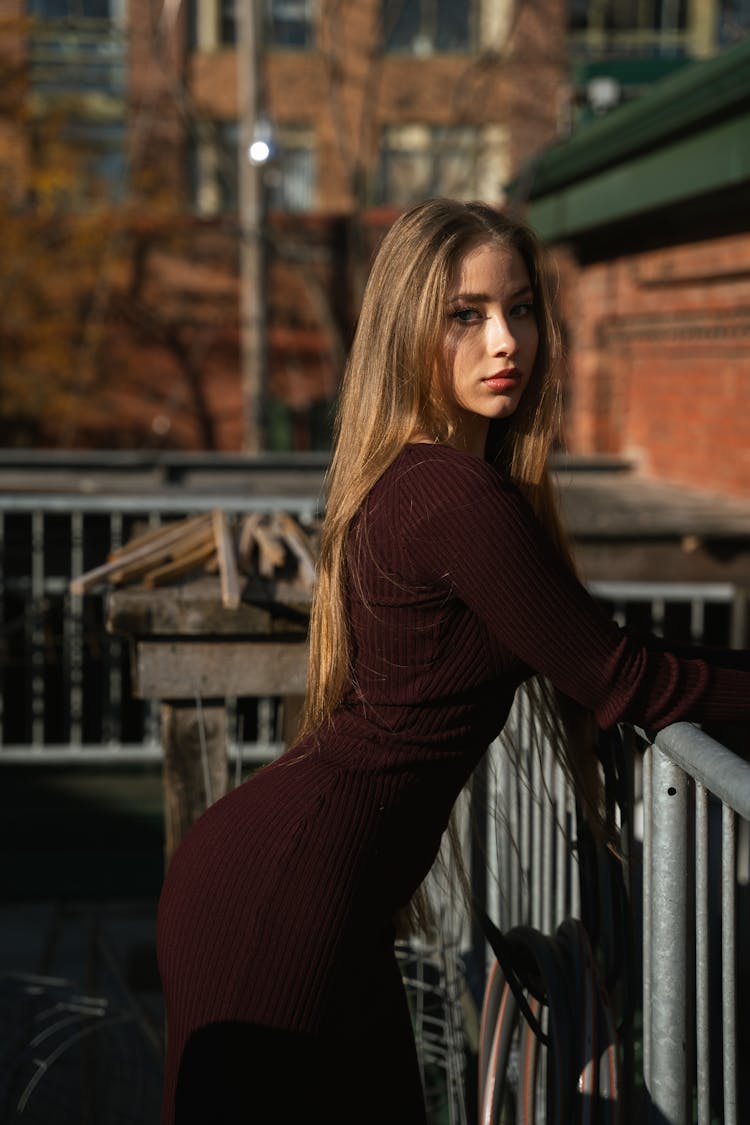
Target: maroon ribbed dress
[275, 923]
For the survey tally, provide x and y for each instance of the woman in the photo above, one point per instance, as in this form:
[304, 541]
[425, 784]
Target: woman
[443, 584]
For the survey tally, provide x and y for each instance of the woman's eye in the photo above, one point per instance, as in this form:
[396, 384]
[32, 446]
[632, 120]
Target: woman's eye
[526, 308]
[466, 316]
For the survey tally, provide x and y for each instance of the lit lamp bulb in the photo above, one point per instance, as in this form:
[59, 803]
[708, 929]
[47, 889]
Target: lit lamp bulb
[259, 152]
[260, 149]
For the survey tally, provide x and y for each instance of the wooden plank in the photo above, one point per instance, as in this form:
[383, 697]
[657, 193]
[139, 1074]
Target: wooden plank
[215, 670]
[271, 553]
[230, 581]
[180, 565]
[159, 535]
[299, 546]
[155, 546]
[192, 541]
[195, 609]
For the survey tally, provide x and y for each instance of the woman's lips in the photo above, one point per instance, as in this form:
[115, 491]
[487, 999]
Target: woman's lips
[503, 380]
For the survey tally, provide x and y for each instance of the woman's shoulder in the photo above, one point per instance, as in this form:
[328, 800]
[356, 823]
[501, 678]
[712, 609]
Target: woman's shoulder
[439, 473]
[435, 487]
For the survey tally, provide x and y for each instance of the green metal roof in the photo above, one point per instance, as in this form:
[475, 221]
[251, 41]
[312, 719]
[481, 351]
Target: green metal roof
[688, 136]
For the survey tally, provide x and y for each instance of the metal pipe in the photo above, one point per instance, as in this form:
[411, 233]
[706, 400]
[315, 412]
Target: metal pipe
[562, 863]
[729, 962]
[549, 770]
[167, 503]
[702, 934]
[37, 637]
[537, 796]
[668, 1087]
[721, 771]
[647, 900]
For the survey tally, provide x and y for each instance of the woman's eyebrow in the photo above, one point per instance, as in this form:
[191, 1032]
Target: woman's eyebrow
[485, 298]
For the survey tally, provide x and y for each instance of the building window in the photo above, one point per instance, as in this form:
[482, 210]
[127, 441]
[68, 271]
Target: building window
[211, 24]
[212, 168]
[417, 161]
[101, 149]
[69, 9]
[78, 76]
[289, 23]
[289, 177]
[76, 47]
[227, 22]
[734, 21]
[423, 27]
[630, 26]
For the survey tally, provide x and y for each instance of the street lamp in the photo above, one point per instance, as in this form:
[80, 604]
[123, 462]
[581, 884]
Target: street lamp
[262, 146]
[255, 149]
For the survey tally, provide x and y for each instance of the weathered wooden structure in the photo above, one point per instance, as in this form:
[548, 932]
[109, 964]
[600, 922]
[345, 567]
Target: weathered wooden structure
[192, 653]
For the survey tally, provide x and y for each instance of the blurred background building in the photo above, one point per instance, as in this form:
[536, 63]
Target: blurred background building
[166, 304]
[160, 291]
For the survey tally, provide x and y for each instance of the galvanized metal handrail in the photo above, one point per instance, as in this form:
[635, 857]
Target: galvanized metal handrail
[684, 765]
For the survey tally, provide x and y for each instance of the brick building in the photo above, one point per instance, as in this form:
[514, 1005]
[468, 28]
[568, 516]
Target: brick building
[649, 210]
[370, 105]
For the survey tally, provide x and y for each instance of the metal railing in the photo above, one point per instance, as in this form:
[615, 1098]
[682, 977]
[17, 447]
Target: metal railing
[689, 904]
[64, 682]
[690, 924]
[64, 697]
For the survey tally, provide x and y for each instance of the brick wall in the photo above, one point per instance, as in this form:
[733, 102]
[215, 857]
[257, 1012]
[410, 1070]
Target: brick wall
[346, 89]
[660, 362]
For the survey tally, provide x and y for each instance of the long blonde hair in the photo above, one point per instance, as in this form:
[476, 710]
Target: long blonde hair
[388, 397]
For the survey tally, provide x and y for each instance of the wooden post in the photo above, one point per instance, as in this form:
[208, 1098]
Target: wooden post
[191, 651]
[195, 765]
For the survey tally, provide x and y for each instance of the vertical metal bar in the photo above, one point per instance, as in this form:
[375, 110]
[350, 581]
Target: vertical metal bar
[648, 813]
[657, 616]
[702, 957]
[492, 814]
[738, 626]
[697, 619]
[668, 1087]
[515, 786]
[549, 772]
[37, 629]
[112, 733]
[575, 865]
[506, 841]
[729, 962]
[152, 727]
[562, 849]
[74, 629]
[2, 622]
[535, 850]
[265, 721]
[524, 906]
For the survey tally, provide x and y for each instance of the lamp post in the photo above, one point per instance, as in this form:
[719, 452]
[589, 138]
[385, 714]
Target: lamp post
[255, 149]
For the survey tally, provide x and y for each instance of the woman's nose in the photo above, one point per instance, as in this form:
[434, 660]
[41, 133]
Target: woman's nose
[500, 338]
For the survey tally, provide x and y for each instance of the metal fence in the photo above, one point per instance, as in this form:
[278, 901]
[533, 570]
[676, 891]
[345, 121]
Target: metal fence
[695, 902]
[65, 697]
[64, 681]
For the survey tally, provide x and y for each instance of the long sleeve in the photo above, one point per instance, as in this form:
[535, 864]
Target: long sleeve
[473, 532]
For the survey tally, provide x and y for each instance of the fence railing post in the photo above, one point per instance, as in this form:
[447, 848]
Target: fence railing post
[669, 958]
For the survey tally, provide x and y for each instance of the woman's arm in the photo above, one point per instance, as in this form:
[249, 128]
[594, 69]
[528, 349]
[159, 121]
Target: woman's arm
[476, 534]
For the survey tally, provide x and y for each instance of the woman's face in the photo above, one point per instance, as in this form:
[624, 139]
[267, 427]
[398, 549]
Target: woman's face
[491, 339]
